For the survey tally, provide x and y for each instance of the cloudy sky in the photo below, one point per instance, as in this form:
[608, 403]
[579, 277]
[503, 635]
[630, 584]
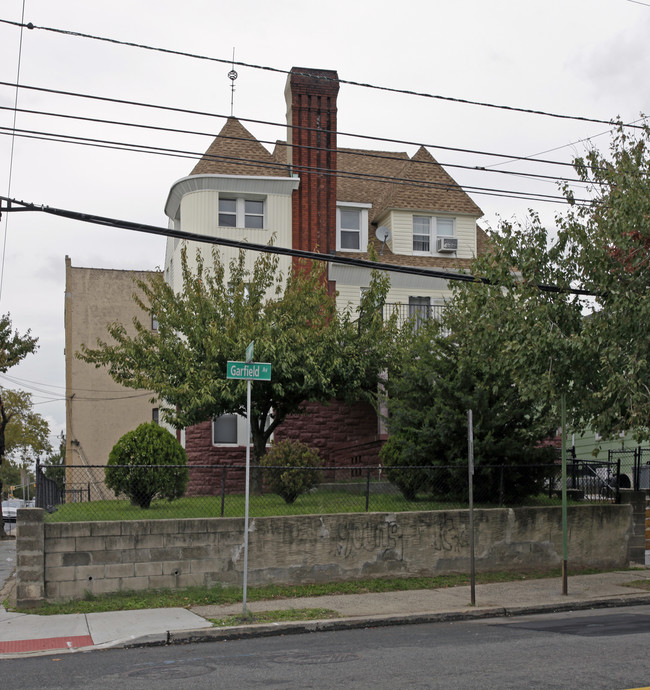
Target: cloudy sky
[585, 58]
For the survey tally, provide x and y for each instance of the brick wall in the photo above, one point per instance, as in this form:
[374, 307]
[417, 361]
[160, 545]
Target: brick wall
[343, 433]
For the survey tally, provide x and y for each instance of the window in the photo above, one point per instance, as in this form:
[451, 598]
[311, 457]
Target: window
[425, 231]
[352, 227]
[154, 322]
[236, 212]
[155, 416]
[419, 310]
[421, 234]
[224, 430]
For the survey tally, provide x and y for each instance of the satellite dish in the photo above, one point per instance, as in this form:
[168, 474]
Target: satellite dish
[382, 233]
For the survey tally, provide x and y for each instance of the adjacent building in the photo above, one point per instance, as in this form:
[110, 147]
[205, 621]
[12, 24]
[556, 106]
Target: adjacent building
[98, 410]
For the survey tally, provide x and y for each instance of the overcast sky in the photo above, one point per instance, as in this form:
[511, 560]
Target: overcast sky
[578, 57]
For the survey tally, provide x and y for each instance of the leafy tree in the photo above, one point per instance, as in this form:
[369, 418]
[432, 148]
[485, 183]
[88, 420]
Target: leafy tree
[608, 246]
[317, 353]
[293, 469]
[147, 463]
[27, 432]
[428, 407]
[14, 347]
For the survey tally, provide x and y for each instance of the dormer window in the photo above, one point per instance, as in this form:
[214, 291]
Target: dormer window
[237, 212]
[427, 230]
[352, 227]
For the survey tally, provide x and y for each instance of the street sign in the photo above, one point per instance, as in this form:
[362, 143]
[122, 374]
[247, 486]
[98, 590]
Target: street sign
[253, 371]
[249, 352]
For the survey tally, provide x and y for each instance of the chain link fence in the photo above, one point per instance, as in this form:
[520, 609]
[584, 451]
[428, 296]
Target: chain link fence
[81, 493]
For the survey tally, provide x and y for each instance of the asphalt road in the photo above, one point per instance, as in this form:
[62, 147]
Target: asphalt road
[593, 649]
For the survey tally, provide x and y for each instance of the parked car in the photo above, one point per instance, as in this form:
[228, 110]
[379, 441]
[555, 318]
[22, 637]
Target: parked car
[11, 505]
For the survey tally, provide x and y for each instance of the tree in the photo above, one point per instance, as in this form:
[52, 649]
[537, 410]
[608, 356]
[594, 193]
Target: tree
[147, 463]
[608, 244]
[427, 420]
[316, 353]
[54, 465]
[13, 349]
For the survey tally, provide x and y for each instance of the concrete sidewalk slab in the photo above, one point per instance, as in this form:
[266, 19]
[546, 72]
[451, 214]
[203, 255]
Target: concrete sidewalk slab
[123, 627]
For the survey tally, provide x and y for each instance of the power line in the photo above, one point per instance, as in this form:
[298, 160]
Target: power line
[11, 154]
[348, 82]
[353, 135]
[265, 248]
[349, 152]
[340, 174]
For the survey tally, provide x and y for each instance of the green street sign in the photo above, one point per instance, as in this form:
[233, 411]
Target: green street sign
[249, 352]
[255, 371]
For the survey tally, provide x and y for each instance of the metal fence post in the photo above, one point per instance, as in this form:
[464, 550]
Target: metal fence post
[224, 471]
[368, 488]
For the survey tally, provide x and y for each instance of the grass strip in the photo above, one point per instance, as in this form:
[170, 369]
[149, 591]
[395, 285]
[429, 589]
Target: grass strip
[219, 595]
[265, 505]
[277, 616]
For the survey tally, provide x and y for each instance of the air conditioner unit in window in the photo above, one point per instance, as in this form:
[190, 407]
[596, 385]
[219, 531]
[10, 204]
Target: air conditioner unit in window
[447, 244]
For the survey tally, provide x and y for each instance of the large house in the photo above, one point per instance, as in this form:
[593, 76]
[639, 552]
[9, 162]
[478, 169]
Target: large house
[312, 195]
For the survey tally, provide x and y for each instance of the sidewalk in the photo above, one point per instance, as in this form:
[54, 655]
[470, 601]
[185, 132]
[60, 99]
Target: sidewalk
[26, 634]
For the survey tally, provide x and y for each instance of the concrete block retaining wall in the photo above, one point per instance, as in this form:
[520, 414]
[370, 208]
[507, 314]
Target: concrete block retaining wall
[60, 561]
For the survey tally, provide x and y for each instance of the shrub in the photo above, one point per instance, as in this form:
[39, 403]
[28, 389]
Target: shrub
[147, 463]
[293, 469]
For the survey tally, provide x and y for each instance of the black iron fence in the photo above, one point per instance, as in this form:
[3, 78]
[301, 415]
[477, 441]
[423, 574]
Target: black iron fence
[219, 491]
[635, 466]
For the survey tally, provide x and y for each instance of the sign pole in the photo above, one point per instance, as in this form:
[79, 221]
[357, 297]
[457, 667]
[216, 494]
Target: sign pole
[470, 467]
[248, 476]
[565, 539]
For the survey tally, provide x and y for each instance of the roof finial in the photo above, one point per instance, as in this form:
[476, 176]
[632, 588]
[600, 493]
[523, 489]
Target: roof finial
[232, 75]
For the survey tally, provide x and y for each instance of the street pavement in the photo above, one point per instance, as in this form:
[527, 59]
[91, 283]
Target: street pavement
[23, 634]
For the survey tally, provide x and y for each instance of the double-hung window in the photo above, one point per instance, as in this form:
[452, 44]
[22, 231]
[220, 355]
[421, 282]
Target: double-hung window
[352, 227]
[237, 212]
[426, 230]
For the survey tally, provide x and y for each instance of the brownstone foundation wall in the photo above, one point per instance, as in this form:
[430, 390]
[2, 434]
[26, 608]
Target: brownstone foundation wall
[344, 434]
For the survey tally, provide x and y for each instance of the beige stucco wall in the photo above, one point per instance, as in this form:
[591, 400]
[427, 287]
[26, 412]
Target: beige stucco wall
[98, 410]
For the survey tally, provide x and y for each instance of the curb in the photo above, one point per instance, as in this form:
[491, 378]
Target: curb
[243, 632]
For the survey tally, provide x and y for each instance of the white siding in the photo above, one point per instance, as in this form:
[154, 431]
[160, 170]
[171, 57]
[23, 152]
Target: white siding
[401, 224]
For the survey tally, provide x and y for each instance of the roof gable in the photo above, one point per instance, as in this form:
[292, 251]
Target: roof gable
[235, 151]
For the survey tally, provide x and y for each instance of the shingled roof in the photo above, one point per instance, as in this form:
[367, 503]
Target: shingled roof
[235, 151]
[385, 179]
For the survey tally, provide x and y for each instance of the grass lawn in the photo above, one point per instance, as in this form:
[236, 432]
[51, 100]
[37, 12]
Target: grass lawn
[217, 595]
[316, 503]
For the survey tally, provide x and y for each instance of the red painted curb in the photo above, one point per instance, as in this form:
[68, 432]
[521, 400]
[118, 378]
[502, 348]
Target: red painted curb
[46, 643]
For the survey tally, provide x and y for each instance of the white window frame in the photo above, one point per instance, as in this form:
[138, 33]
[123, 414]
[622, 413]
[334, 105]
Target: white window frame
[231, 444]
[241, 432]
[434, 232]
[362, 209]
[241, 214]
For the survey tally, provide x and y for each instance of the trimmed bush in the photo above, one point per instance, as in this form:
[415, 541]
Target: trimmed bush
[147, 463]
[292, 469]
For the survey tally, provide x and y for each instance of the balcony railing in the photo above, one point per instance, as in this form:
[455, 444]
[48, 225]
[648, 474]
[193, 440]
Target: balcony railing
[412, 313]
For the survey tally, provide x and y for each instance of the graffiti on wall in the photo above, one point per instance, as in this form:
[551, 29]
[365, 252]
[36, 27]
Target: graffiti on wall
[385, 539]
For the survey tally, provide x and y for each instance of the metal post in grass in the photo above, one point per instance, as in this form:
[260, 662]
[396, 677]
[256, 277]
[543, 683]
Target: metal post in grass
[565, 540]
[470, 469]
[223, 490]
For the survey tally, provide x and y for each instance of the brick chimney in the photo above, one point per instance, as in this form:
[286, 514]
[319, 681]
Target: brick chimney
[311, 117]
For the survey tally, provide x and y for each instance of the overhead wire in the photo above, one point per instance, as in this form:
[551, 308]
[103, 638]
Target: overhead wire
[340, 174]
[267, 248]
[268, 68]
[349, 152]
